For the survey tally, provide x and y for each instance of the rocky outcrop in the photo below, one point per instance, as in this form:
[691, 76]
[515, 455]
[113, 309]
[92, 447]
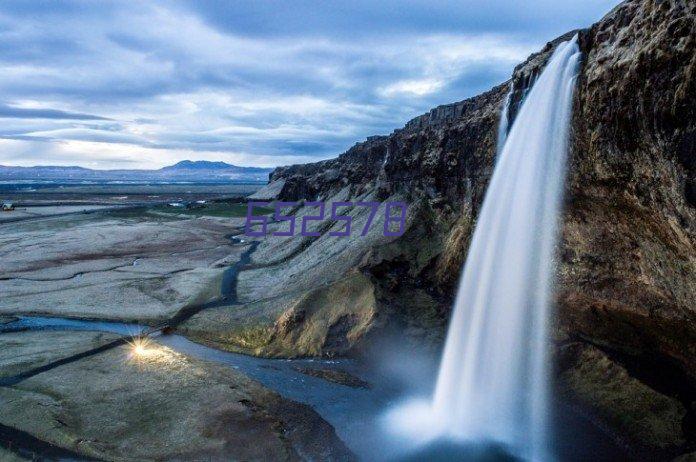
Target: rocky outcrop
[629, 248]
[159, 406]
[627, 262]
[652, 420]
[628, 258]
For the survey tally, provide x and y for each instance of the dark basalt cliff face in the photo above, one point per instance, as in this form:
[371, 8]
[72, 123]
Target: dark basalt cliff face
[628, 272]
[626, 324]
[628, 250]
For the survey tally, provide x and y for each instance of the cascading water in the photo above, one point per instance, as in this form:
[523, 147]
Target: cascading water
[492, 384]
[504, 121]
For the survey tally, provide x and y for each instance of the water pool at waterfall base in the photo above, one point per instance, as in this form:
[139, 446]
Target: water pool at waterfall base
[414, 433]
[424, 435]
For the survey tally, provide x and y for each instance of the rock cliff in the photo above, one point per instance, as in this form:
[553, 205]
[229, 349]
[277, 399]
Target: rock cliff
[626, 324]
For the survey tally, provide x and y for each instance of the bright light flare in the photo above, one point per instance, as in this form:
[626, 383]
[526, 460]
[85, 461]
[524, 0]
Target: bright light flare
[139, 350]
[143, 353]
[141, 347]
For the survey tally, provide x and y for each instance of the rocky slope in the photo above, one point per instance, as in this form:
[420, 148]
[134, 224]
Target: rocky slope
[160, 406]
[626, 330]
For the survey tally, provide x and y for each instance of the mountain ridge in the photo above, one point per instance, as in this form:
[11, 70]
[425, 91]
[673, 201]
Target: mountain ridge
[209, 165]
[186, 169]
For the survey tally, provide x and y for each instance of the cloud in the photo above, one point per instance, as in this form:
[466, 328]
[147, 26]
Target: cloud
[269, 83]
[86, 134]
[420, 87]
[39, 113]
[121, 156]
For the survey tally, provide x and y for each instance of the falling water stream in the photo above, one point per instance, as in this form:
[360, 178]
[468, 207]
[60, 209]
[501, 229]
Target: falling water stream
[492, 384]
[504, 123]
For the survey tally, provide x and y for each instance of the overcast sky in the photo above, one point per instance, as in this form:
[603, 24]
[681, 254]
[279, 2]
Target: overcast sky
[143, 85]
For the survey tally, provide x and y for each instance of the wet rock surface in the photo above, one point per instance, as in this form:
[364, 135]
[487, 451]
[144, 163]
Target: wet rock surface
[641, 414]
[8, 456]
[6, 319]
[158, 406]
[116, 265]
[340, 377]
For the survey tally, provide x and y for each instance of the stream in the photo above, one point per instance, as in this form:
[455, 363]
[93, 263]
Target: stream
[355, 413]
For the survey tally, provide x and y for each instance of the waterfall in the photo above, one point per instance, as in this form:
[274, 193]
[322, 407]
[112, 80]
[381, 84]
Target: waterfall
[503, 124]
[492, 384]
[386, 159]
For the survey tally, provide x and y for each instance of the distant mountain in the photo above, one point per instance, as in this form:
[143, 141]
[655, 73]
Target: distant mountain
[186, 170]
[208, 165]
[199, 165]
